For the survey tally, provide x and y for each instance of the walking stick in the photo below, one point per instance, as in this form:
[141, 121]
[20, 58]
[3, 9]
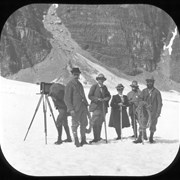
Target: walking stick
[142, 138]
[121, 122]
[134, 122]
[104, 121]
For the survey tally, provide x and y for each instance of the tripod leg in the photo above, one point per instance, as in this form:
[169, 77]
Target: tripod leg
[51, 111]
[33, 116]
[45, 122]
[104, 116]
[134, 126]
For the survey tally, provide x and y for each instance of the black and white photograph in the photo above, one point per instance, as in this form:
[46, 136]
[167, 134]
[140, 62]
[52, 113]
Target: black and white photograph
[90, 90]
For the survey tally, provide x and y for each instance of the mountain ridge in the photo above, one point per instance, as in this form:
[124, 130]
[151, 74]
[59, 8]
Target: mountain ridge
[63, 55]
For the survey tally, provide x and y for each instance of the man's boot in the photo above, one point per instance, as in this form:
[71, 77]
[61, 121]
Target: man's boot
[145, 135]
[134, 127]
[99, 127]
[66, 128]
[95, 134]
[76, 140]
[139, 140]
[91, 124]
[83, 141]
[83, 135]
[59, 140]
[151, 137]
[135, 133]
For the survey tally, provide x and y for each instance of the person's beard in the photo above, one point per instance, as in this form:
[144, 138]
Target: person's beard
[149, 86]
[134, 89]
[76, 77]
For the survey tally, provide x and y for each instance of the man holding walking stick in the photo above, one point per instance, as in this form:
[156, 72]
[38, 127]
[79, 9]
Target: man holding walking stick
[99, 96]
[152, 97]
[133, 103]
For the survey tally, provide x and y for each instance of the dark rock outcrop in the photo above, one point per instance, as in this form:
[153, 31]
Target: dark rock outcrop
[24, 40]
[124, 38]
[128, 37]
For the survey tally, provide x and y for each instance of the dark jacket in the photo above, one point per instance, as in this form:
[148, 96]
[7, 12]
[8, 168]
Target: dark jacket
[115, 112]
[74, 96]
[133, 97]
[153, 99]
[96, 93]
[57, 94]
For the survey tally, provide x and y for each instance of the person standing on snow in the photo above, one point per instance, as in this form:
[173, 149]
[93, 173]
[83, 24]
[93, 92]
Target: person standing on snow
[119, 100]
[152, 97]
[57, 94]
[76, 103]
[133, 103]
[99, 96]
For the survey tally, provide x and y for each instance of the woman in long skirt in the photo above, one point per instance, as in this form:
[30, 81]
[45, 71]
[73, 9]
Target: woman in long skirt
[119, 100]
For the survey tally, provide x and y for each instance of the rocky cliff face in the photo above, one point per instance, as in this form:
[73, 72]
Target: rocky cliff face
[24, 40]
[127, 38]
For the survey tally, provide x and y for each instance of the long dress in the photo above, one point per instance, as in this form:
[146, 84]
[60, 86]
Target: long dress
[115, 112]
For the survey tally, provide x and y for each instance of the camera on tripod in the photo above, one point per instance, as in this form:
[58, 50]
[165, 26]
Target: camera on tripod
[44, 91]
[45, 87]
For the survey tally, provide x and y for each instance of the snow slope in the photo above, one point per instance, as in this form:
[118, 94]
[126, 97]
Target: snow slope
[18, 101]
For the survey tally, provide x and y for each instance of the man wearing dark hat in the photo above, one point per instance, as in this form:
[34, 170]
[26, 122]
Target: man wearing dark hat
[152, 97]
[133, 103]
[76, 103]
[119, 100]
[98, 95]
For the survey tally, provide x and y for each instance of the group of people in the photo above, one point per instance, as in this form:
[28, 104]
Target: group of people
[76, 105]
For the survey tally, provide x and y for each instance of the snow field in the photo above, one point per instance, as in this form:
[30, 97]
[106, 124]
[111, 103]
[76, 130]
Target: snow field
[117, 158]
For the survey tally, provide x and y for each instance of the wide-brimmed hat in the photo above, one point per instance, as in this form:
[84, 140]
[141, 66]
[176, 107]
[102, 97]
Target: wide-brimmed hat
[134, 84]
[119, 86]
[75, 70]
[101, 76]
[150, 79]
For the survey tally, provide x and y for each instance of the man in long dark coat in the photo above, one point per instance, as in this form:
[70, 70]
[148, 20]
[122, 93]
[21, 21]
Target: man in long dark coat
[133, 103]
[152, 97]
[98, 95]
[76, 103]
[119, 100]
[57, 95]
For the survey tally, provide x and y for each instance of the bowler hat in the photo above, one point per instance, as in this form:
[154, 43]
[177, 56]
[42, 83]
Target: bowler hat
[150, 79]
[119, 86]
[134, 84]
[100, 76]
[75, 70]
